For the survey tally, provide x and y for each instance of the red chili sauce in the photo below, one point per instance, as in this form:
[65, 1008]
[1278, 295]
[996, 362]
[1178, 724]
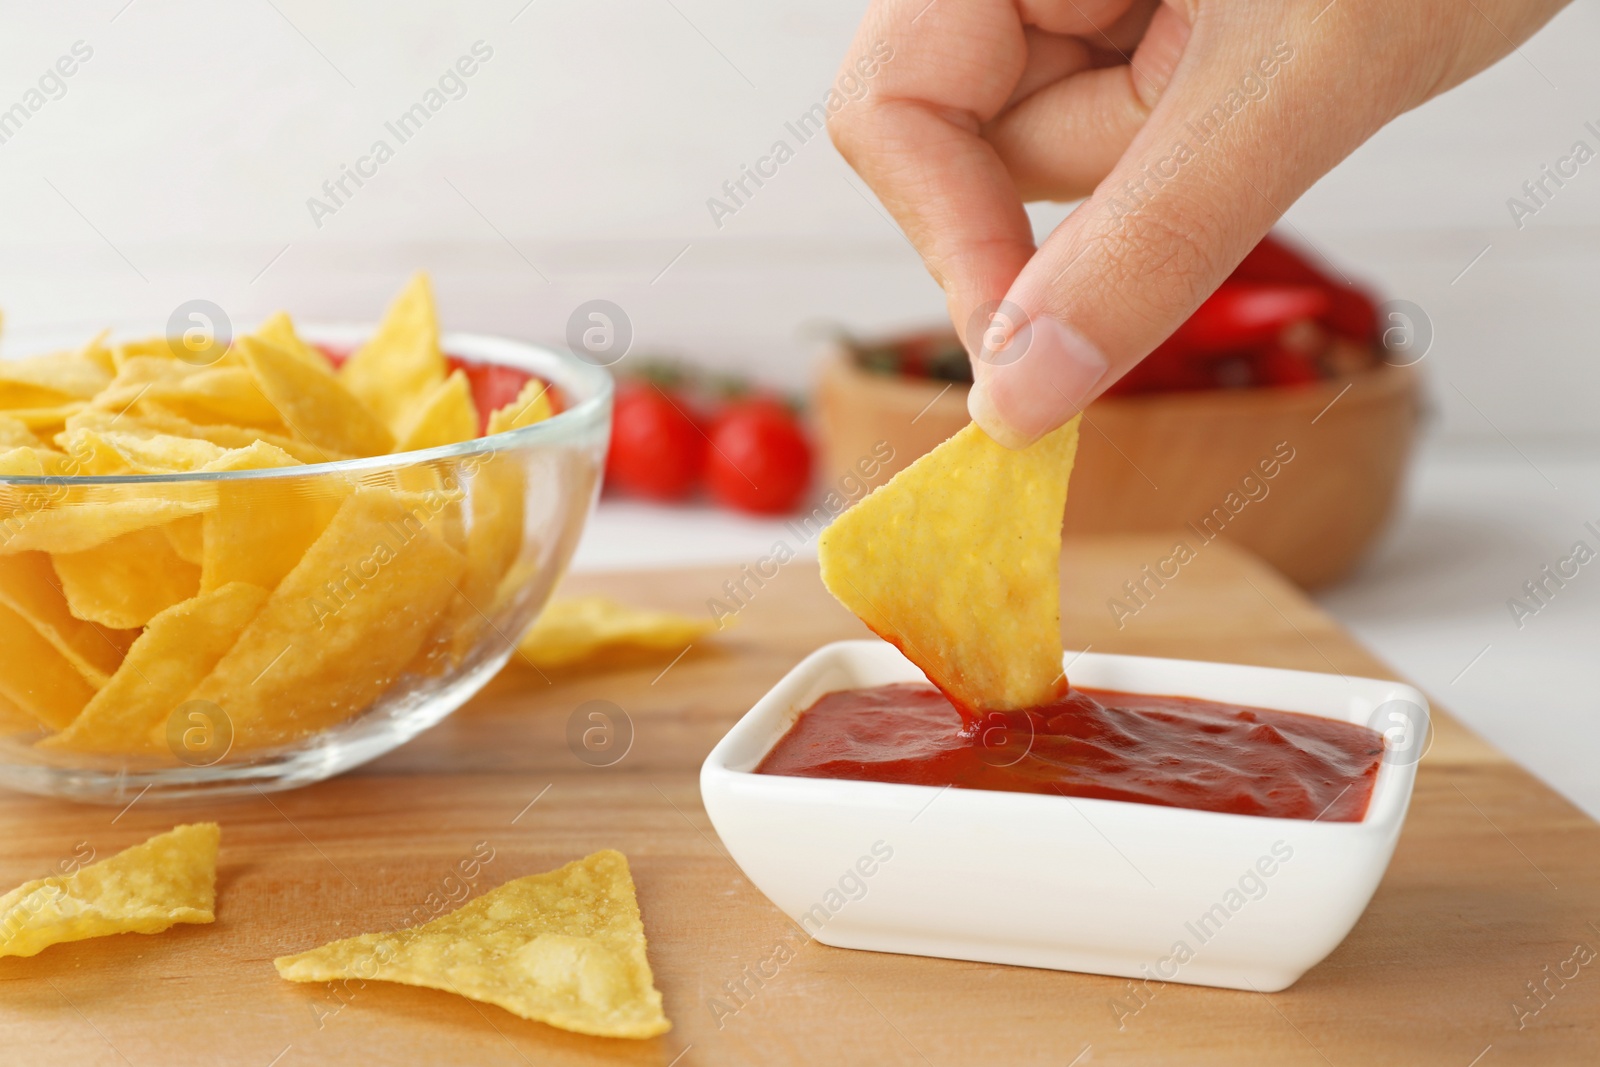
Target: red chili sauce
[1177, 752]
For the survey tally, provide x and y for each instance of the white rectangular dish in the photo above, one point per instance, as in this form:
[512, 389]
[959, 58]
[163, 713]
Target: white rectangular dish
[1078, 884]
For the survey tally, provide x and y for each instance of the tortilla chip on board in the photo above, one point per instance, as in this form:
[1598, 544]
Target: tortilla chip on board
[575, 630]
[565, 948]
[146, 889]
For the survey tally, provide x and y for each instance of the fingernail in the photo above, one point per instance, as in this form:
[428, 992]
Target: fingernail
[983, 412]
[1042, 377]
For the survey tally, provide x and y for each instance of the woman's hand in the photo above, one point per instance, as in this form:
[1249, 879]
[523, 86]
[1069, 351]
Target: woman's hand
[1190, 126]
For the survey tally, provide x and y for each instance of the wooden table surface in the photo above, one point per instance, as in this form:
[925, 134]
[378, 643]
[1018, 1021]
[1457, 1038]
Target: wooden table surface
[1495, 880]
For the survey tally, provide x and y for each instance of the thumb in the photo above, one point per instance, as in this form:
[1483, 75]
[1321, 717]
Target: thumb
[1235, 138]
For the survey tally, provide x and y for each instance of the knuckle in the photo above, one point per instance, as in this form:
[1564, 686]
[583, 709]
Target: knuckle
[1154, 265]
[845, 131]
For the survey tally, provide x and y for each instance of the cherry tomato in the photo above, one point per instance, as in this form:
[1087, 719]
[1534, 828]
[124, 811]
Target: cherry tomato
[760, 460]
[657, 450]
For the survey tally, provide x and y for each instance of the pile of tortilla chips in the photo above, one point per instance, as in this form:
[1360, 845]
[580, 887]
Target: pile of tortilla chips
[192, 619]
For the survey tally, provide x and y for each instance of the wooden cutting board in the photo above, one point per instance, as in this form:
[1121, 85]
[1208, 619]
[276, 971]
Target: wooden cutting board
[1495, 882]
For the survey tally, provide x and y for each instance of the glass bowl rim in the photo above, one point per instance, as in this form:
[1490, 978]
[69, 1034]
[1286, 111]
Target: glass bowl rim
[473, 347]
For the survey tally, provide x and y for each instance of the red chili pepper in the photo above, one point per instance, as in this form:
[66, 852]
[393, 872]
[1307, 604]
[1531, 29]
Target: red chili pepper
[1352, 316]
[1275, 262]
[1351, 312]
[1280, 365]
[914, 356]
[1242, 315]
[1172, 367]
[1235, 338]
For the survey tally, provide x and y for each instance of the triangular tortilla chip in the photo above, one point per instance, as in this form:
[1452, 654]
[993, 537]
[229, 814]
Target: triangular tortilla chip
[88, 516]
[279, 330]
[401, 364]
[26, 460]
[565, 948]
[341, 626]
[261, 528]
[445, 416]
[29, 587]
[496, 531]
[168, 659]
[495, 538]
[125, 352]
[110, 452]
[577, 629]
[220, 394]
[956, 561]
[126, 581]
[531, 405]
[35, 676]
[169, 879]
[313, 403]
[41, 381]
[187, 536]
[46, 421]
[14, 433]
[99, 353]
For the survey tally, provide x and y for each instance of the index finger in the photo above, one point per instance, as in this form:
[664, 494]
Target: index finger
[944, 70]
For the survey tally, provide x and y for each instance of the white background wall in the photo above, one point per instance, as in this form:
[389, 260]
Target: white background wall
[179, 161]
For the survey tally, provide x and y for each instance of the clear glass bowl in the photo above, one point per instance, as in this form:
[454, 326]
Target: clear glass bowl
[353, 604]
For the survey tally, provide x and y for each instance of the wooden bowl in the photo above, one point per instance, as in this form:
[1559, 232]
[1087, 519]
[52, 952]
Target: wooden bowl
[1305, 477]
